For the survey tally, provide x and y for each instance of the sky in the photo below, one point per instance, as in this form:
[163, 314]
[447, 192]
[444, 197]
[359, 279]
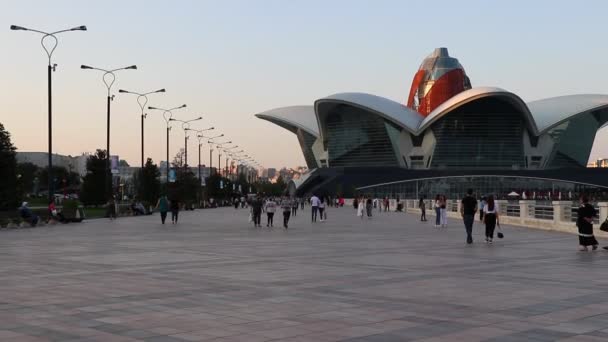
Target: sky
[229, 59]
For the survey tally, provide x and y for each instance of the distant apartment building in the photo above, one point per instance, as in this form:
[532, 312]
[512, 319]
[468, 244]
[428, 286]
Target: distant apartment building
[75, 164]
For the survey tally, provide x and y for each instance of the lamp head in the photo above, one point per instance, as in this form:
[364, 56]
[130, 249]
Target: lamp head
[123, 91]
[79, 28]
[182, 106]
[172, 119]
[134, 67]
[17, 28]
[85, 67]
[160, 90]
[150, 107]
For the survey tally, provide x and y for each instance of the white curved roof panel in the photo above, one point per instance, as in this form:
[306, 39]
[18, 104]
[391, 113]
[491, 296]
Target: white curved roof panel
[552, 111]
[395, 112]
[472, 95]
[292, 118]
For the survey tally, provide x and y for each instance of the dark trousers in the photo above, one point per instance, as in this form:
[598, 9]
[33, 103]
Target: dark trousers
[302, 205]
[321, 211]
[423, 215]
[481, 215]
[286, 215]
[269, 219]
[174, 214]
[314, 213]
[490, 225]
[294, 210]
[437, 216]
[257, 218]
[468, 224]
[163, 216]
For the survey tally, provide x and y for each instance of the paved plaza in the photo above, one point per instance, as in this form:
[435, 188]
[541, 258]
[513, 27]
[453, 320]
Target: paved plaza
[213, 277]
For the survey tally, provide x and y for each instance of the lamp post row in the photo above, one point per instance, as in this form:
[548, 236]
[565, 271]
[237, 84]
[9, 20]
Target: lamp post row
[49, 42]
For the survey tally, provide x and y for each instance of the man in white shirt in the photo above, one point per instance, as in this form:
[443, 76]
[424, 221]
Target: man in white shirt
[314, 203]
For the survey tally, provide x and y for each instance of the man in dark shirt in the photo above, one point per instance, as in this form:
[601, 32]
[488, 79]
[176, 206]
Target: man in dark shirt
[468, 208]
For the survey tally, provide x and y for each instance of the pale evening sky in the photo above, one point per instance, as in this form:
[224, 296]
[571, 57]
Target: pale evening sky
[228, 60]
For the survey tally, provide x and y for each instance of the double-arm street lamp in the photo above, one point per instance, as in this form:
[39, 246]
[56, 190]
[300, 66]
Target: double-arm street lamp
[200, 137]
[186, 127]
[210, 141]
[167, 115]
[221, 147]
[49, 48]
[142, 101]
[229, 151]
[218, 146]
[108, 78]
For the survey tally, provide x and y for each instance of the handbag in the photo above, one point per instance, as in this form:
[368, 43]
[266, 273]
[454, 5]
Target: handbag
[500, 235]
[604, 225]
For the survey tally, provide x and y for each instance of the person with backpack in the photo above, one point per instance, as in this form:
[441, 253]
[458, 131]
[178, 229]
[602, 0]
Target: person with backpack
[163, 206]
[270, 207]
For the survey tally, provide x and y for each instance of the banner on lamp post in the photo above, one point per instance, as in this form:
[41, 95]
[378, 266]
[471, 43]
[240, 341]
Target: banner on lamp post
[172, 176]
[114, 164]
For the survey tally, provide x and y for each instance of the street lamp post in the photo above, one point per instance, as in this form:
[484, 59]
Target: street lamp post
[228, 150]
[167, 115]
[49, 49]
[142, 101]
[211, 152]
[200, 137]
[108, 79]
[186, 128]
[219, 156]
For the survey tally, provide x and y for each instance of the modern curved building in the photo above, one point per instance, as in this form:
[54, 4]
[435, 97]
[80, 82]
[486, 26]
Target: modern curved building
[446, 126]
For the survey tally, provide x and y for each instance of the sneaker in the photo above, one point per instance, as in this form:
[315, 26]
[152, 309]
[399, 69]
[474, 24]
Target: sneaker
[583, 248]
[605, 247]
[594, 247]
[469, 240]
[490, 241]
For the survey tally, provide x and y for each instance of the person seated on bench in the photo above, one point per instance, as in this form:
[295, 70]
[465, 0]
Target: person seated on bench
[138, 208]
[26, 215]
[54, 214]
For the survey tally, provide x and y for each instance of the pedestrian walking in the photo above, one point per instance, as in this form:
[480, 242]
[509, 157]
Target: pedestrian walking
[270, 207]
[294, 206]
[111, 208]
[302, 203]
[256, 210]
[586, 213]
[482, 208]
[437, 207]
[287, 205]
[468, 209]
[314, 204]
[444, 211]
[368, 207]
[322, 206]
[490, 218]
[163, 207]
[360, 207]
[422, 207]
[174, 210]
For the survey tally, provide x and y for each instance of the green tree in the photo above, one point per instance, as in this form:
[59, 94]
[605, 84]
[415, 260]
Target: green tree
[27, 173]
[93, 187]
[9, 196]
[62, 178]
[148, 182]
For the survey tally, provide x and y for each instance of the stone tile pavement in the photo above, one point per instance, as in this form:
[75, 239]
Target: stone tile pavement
[213, 277]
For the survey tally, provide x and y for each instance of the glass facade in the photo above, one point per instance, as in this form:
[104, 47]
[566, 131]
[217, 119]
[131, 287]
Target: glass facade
[574, 139]
[355, 137]
[457, 186]
[306, 141]
[486, 133]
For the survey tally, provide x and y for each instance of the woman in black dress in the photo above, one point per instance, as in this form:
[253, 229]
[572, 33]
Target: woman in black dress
[586, 212]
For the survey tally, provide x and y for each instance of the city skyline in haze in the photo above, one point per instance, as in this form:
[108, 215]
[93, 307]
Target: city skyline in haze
[232, 59]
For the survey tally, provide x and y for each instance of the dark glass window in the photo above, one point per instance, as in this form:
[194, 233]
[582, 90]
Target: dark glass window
[484, 134]
[358, 138]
